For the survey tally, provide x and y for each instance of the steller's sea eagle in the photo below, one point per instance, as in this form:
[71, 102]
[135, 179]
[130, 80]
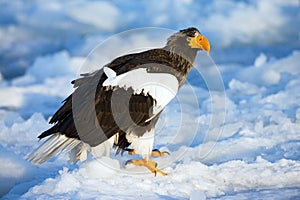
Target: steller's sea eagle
[120, 104]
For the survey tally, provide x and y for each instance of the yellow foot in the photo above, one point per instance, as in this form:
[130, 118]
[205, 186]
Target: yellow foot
[149, 164]
[155, 152]
[131, 151]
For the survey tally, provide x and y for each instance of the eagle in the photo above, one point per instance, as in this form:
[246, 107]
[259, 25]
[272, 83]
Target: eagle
[119, 105]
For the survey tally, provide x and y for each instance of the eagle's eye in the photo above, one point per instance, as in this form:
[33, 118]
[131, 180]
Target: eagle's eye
[196, 34]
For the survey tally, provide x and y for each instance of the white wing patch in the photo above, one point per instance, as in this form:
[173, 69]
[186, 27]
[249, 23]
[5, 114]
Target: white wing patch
[162, 87]
[109, 72]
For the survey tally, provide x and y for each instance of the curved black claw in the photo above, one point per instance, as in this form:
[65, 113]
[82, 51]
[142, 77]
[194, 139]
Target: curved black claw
[156, 152]
[128, 162]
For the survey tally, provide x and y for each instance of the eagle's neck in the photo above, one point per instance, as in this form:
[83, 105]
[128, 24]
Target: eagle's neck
[179, 45]
[183, 59]
[183, 50]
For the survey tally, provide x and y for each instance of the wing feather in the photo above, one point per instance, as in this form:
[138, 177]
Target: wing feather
[89, 88]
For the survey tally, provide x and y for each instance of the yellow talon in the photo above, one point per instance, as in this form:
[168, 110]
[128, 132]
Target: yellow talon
[149, 164]
[156, 152]
[131, 151]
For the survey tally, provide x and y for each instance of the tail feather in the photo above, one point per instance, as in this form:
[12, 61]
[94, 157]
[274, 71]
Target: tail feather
[78, 150]
[57, 143]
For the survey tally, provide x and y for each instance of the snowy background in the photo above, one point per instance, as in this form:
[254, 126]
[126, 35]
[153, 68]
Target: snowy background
[256, 47]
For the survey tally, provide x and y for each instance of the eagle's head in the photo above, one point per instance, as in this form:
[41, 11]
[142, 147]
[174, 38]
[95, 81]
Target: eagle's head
[195, 39]
[186, 43]
[189, 39]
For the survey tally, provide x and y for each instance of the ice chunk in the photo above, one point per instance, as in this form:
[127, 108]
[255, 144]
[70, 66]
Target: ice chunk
[260, 60]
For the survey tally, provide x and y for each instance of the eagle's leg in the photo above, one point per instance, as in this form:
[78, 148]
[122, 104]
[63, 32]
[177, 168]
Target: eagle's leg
[155, 152]
[152, 166]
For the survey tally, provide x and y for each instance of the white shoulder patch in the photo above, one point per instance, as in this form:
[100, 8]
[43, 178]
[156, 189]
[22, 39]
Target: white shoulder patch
[109, 72]
[162, 87]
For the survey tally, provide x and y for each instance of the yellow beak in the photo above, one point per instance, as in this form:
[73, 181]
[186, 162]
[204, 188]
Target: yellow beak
[200, 42]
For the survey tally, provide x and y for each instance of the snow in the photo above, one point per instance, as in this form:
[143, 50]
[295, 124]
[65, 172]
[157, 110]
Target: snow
[13, 170]
[210, 180]
[89, 14]
[250, 23]
[232, 130]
